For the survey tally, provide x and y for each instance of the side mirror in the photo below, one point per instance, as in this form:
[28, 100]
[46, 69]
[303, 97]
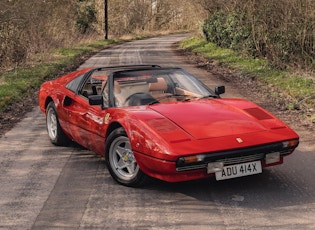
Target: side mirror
[219, 90]
[96, 100]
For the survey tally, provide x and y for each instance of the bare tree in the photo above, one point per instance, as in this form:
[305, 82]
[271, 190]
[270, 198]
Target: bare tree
[33, 26]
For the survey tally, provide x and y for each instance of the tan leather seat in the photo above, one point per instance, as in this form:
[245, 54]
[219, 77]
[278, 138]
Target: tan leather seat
[157, 89]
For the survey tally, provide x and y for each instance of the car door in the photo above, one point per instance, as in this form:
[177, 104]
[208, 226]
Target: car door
[86, 122]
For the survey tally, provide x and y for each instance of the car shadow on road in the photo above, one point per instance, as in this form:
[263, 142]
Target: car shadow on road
[268, 190]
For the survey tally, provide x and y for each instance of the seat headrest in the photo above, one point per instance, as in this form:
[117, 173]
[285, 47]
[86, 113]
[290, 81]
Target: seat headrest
[160, 85]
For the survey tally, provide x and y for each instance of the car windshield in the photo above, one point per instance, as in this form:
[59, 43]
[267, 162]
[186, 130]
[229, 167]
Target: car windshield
[134, 88]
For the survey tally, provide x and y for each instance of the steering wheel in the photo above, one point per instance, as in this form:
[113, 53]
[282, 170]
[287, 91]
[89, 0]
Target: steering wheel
[142, 98]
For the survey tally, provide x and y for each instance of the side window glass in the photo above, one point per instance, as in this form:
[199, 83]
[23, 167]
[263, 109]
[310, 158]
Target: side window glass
[74, 84]
[93, 86]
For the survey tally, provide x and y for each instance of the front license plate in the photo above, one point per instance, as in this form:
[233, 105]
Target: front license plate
[239, 170]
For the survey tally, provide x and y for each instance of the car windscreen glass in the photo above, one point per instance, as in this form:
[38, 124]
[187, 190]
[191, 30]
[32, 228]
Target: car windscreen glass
[184, 81]
[173, 77]
[132, 88]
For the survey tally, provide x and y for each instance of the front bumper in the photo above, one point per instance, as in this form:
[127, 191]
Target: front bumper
[180, 170]
[236, 156]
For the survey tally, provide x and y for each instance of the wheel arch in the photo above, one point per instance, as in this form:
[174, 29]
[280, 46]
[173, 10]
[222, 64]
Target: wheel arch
[112, 127]
[44, 103]
[47, 101]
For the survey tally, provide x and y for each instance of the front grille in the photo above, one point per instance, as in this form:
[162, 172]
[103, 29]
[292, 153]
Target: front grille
[242, 159]
[226, 161]
[191, 167]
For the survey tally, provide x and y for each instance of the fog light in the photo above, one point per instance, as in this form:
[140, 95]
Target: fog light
[292, 143]
[191, 159]
[272, 158]
[215, 167]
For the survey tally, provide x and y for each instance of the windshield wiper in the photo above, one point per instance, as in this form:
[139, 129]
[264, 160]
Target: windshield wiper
[209, 96]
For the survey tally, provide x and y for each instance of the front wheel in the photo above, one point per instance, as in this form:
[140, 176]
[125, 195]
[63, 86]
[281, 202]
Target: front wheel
[120, 160]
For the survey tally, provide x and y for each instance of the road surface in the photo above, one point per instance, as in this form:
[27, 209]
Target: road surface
[47, 187]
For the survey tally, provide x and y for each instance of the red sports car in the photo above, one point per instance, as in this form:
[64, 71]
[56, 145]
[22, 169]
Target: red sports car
[150, 121]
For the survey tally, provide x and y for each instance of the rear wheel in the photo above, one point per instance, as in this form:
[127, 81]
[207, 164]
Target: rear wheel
[55, 133]
[120, 160]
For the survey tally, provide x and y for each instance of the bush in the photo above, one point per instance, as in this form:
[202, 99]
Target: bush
[227, 30]
[280, 30]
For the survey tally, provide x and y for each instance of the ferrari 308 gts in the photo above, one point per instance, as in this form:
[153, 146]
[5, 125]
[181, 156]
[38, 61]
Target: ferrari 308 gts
[150, 121]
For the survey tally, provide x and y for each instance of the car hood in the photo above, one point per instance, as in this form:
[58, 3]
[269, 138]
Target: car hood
[218, 117]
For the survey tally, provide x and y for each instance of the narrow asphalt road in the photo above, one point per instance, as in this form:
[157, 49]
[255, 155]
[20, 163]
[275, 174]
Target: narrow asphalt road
[47, 187]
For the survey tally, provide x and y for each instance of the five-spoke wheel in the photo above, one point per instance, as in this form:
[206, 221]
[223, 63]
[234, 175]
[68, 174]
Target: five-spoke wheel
[120, 160]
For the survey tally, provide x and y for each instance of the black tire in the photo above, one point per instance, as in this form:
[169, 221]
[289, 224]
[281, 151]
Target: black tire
[55, 132]
[120, 160]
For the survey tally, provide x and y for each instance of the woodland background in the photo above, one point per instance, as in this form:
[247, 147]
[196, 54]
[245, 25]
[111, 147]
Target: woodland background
[282, 31]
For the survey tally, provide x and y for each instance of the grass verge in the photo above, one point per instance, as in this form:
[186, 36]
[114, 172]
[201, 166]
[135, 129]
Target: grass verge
[300, 88]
